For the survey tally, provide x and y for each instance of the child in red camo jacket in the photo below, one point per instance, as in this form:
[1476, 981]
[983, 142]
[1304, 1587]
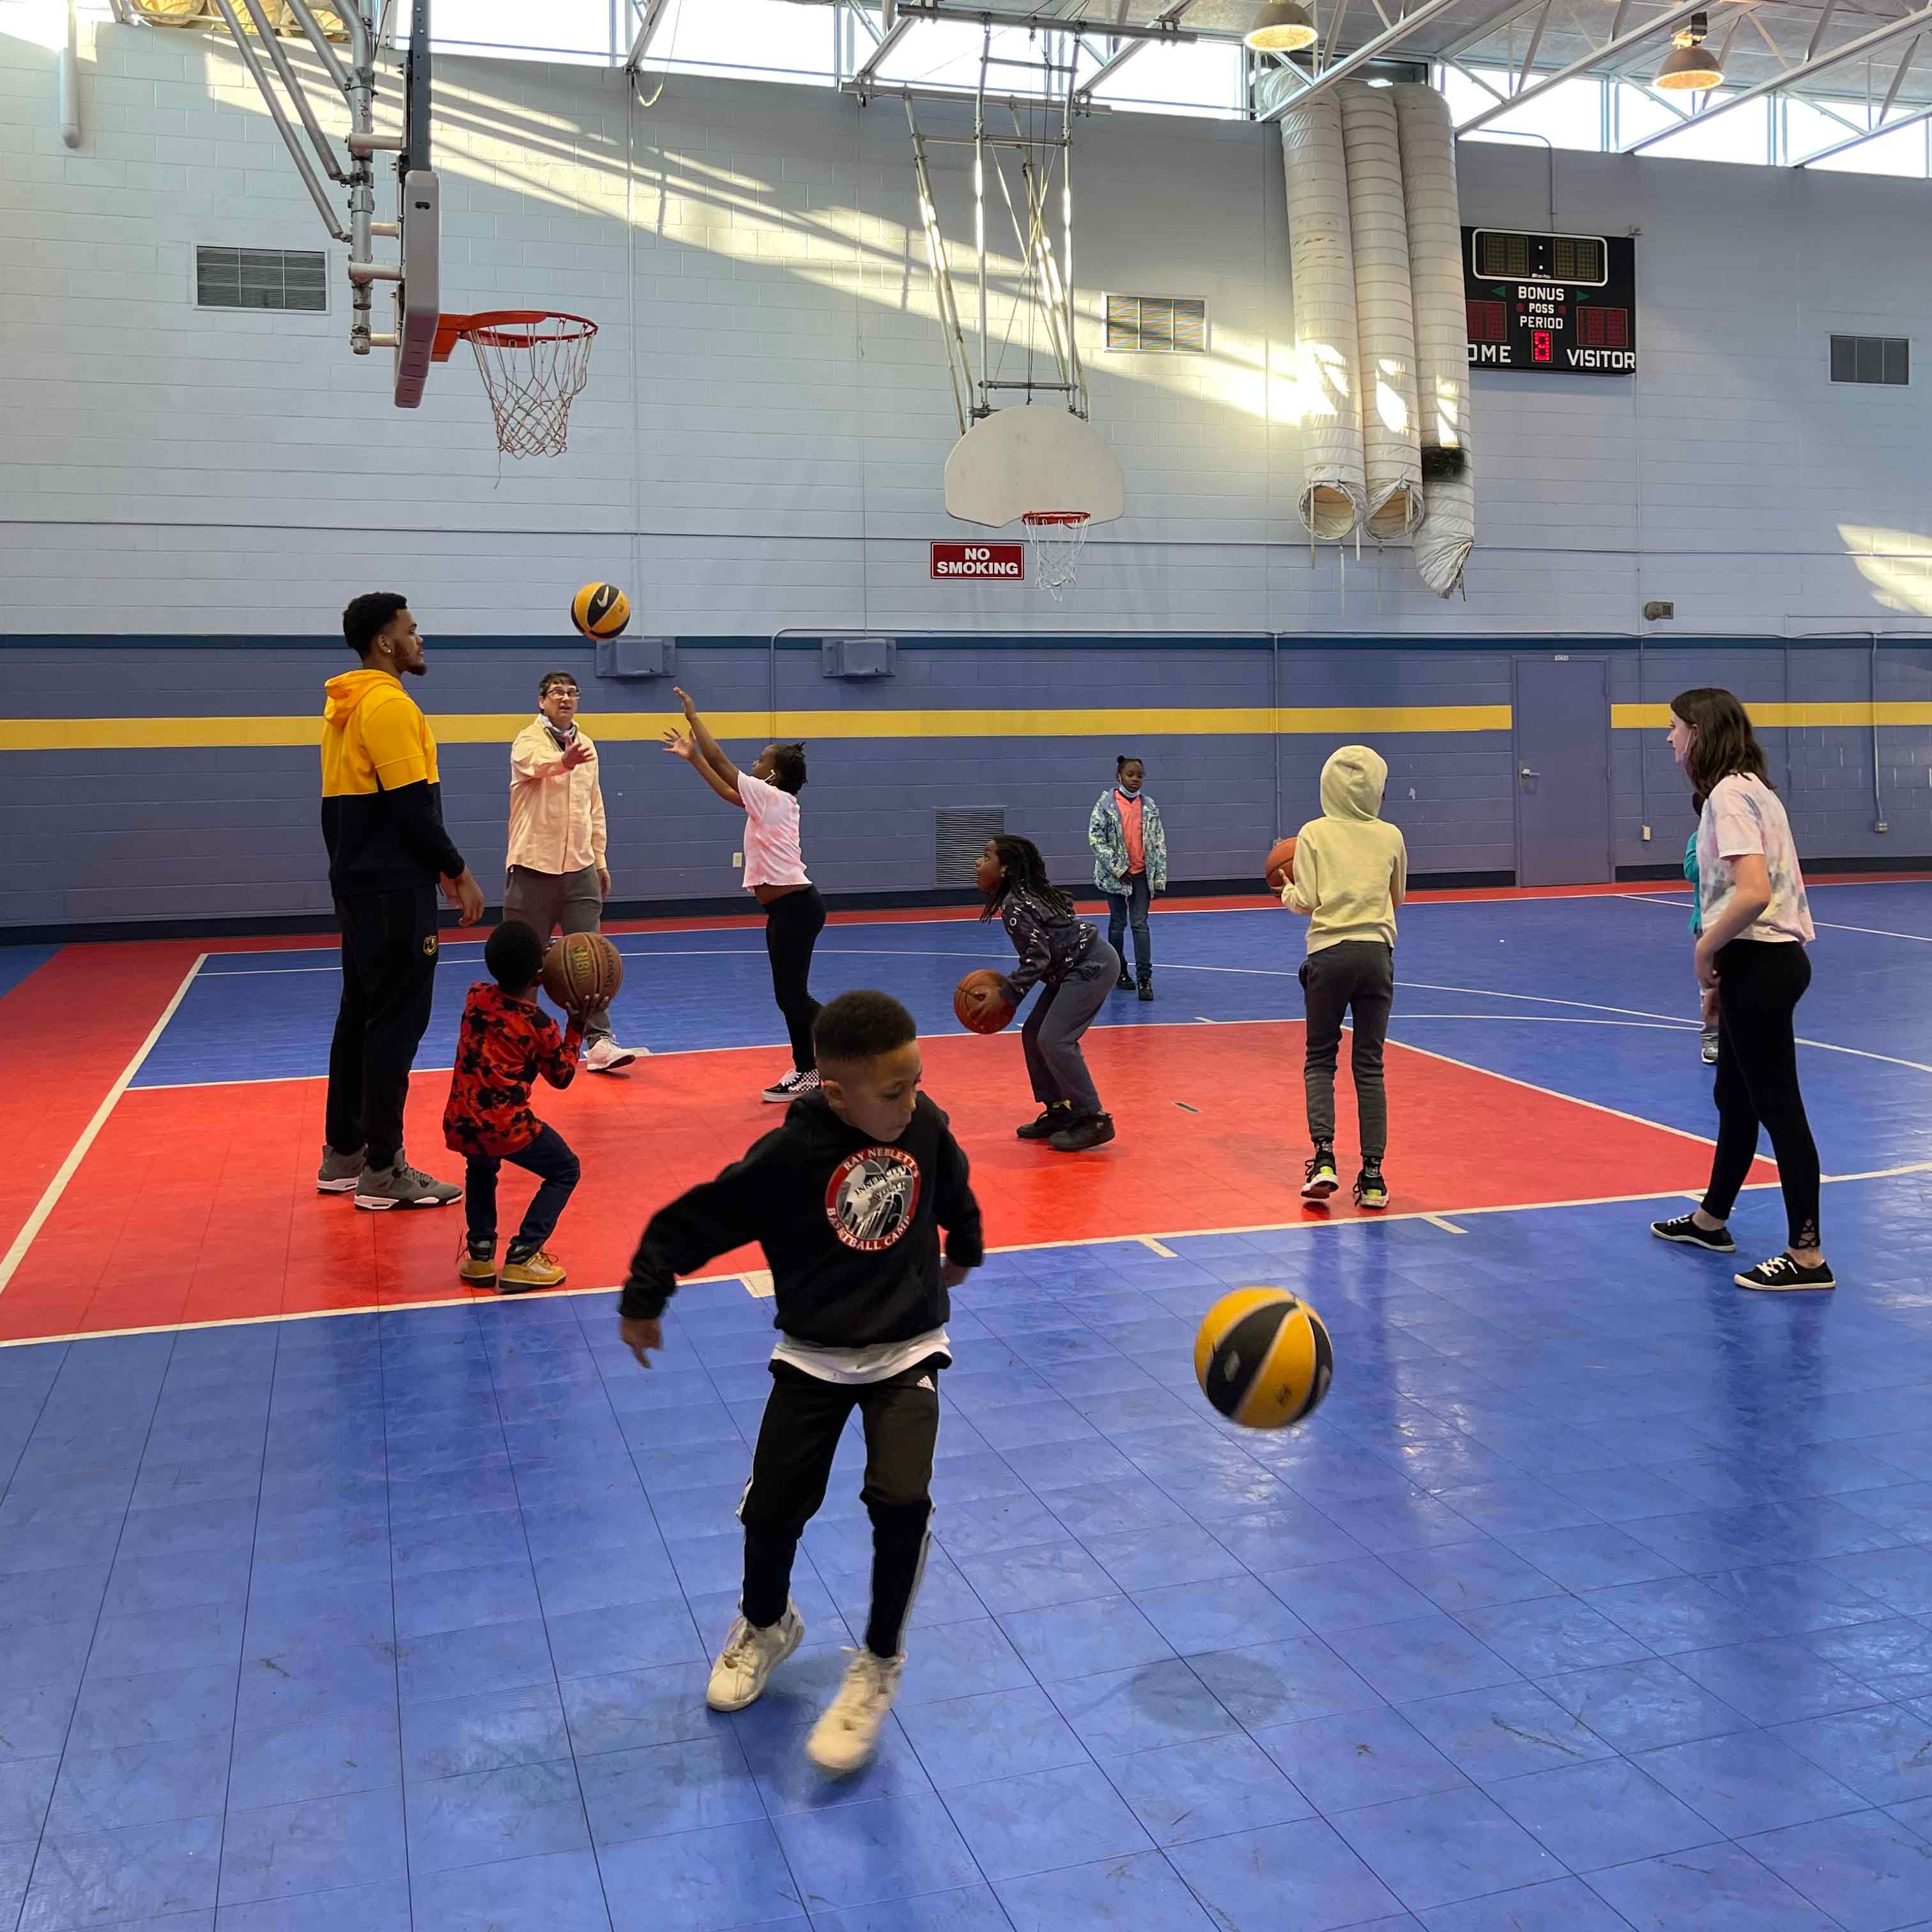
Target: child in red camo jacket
[506, 1041]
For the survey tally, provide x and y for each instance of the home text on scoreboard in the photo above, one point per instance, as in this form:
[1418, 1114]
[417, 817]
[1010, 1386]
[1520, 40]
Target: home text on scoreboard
[1550, 303]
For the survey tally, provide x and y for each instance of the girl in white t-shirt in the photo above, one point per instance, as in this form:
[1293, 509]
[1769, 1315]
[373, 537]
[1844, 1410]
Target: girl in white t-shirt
[1753, 971]
[774, 875]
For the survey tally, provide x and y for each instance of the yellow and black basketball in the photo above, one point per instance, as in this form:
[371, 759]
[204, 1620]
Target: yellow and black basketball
[600, 610]
[1262, 1357]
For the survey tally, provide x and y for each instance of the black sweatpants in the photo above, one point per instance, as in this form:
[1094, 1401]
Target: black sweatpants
[389, 982]
[804, 1417]
[1759, 983]
[1356, 977]
[792, 924]
[549, 1157]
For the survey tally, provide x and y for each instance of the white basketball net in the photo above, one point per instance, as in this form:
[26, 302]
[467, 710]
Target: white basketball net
[533, 368]
[1058, 537]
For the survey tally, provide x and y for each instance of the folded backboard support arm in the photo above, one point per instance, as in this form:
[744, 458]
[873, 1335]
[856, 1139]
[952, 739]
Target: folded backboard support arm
[417, 226]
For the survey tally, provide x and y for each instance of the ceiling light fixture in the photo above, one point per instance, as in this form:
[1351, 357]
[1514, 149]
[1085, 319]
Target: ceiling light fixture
[1280, 27]
[1689, 67]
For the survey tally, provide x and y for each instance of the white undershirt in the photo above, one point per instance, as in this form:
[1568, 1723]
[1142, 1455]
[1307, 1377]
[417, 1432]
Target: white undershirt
[878, 1363]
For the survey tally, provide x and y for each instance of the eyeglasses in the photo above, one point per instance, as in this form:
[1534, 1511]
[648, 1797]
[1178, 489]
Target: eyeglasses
[561, 691]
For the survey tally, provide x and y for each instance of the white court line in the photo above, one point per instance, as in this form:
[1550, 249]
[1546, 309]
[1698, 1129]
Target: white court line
[1550, 1093]
[1884, 1173]
[1308, 1225]
[1862, 1053]
[757, 952]
[1824, 924]
[1447, 1226]
[1640, 1021]
[1159, 1247]
[966, 917]
[1552, 1019]
[10, 1262]
[1876, 932]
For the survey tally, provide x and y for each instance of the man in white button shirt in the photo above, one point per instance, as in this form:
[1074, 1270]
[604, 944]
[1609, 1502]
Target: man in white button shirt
[557, 876]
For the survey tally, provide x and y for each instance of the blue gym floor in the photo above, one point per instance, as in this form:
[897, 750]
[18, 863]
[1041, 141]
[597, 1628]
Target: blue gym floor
[1598, 1595]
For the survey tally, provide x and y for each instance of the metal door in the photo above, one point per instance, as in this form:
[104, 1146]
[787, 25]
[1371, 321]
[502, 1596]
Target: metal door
[1562, 771]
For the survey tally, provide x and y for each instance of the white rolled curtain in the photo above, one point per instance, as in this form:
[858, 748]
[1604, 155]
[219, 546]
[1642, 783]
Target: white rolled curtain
[1327, 344]
[1379, 225]
[1448, 529]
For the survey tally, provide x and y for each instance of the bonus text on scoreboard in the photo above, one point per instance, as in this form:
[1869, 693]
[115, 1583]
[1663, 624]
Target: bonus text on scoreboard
[1550, 303]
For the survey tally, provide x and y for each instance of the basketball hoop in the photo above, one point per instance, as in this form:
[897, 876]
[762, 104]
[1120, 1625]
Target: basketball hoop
[1058, 537]
[534, 363]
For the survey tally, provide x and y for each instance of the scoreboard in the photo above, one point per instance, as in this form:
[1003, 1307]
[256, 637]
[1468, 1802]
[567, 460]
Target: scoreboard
[1561, 304]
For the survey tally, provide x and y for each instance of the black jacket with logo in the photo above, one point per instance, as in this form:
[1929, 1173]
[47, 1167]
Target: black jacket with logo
[850, 1226]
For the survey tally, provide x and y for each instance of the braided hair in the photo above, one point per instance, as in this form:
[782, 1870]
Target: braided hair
[1023, 870]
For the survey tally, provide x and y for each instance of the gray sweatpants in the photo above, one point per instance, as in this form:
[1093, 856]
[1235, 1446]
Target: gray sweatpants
[551, 900]
[1052, 1035]
[1357, 976]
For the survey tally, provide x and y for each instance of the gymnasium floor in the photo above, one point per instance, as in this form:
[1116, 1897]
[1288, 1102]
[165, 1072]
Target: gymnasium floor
[1599, 1593]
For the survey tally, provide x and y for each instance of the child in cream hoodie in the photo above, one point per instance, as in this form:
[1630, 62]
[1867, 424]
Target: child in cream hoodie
[1350, 873]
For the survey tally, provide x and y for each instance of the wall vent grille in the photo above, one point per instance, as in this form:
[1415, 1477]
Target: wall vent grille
[1157, 326]
[958, 834]
[275, 278]
[1872, 358]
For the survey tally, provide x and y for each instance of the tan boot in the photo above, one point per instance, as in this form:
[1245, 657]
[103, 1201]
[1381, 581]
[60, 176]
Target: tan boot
[536, 1270]
[476, 1264]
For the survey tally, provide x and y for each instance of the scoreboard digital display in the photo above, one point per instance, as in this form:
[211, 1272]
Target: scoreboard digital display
[1561, 304]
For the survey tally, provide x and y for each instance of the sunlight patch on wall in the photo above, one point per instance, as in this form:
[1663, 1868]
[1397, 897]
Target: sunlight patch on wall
[1897, 564]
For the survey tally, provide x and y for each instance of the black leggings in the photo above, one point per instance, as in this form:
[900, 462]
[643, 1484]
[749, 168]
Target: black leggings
[798, 1439]
[792, 927]
[1759, 983]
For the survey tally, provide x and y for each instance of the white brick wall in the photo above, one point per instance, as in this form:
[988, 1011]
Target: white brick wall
[762, 440]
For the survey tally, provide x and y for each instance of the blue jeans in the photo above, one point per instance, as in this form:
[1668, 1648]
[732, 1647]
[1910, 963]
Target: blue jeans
[548, 1157]
[1131, 906]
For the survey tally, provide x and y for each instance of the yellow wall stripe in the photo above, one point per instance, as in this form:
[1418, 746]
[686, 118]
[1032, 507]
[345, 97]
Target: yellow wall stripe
[1780, 717]
[130, 734]
[122, 734]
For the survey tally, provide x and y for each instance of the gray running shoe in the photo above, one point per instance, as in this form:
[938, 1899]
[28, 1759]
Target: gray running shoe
[339, 1172]
[403, 1185]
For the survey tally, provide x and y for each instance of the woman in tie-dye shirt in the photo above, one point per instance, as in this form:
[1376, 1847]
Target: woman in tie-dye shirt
[1753, 971]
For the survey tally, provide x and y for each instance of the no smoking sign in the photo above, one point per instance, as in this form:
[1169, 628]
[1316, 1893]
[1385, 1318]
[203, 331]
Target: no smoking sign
[1000, 562]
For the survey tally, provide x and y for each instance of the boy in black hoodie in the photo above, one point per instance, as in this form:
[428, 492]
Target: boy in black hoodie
[847, 1199]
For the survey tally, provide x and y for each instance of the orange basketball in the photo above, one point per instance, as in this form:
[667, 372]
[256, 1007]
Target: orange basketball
[980, 1001]
[582, 972]
[1280, 866]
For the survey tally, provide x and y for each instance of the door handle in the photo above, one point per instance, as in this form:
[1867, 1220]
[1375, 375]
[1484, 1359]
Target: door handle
[1525, 773]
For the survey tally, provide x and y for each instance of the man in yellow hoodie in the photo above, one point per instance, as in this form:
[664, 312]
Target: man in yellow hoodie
[1351, 872]
[381, 819]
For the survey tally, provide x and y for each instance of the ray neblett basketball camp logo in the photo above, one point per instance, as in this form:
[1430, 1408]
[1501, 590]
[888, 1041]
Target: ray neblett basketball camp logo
[870, 1197]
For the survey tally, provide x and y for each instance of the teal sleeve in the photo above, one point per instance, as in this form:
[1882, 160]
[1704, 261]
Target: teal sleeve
[1690, 873]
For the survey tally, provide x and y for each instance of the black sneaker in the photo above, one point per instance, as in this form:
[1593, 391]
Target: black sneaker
[1371, 1190]
[1125, 983]
[1053, 1118]
[1781, 1275]
[1685, 1228]
[1095, 1130]
[1320, 1179]
[1147, 987]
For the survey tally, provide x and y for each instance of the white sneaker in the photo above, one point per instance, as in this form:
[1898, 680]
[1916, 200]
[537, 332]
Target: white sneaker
[604, 1055]
[749, 1657]
[847, 1735]
[794, 1086]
